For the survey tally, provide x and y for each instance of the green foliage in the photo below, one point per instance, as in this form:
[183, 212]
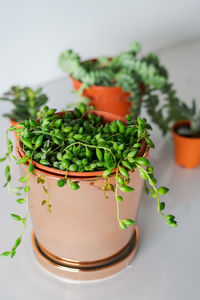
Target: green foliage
[142, 76]
[26, 102]
[95, 149]
[191, 114]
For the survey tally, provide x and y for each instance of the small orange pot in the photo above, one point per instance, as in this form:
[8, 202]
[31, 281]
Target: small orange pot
[186, 149]
[80, 238]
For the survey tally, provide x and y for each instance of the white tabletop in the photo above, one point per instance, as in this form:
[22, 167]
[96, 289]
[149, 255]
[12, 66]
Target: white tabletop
[167, 264]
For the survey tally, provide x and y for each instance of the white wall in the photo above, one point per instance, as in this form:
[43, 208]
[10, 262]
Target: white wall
[34, 32]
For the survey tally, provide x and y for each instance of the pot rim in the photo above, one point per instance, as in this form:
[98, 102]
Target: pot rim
[178, 124]
[47, 169]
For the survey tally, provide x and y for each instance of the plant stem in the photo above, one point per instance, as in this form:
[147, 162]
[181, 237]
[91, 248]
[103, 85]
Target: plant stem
[116, 194]
[155, 190]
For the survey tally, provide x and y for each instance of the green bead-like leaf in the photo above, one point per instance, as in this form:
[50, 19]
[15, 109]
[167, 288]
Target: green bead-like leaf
[119, 198]
[162, 190]
[137, 145]
[126, 164]
[18, 241]
[7, 170]
[22, 160]
[120, 180]
[73, 168]
[13, 252]
[88, 153]
[31, 167]
[77, 112]
[10, 146]
[58, 123]
[16, 217]
[122, 225]
[67, 129]
[6, 253]
[78, 137]
[149, 142]
[143, 174]
[133, 153]
[111, 187]
[128, 222]
[44, 162]
[107, 172]
[61, 182]
[21, 200]
[3, 159]
[126, 189]
[162, 206]
[142, 161]
[150, 170]
[107, 156]
[38, 142]
[99, 154]
[27, 143]
[169, 218]
[82, 108]
[140, 122]
[74, 186]
[124, 172]
[27, 189]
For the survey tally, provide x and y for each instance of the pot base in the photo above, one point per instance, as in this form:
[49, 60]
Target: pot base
[81, 271]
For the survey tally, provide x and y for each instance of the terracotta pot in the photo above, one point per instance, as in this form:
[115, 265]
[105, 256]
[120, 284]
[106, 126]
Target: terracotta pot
[186, 149]
[81, 238]
[106, 98]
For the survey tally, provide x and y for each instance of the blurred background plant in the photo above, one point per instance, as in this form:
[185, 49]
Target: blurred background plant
[26, 101]
[184, 112]
[144, 77]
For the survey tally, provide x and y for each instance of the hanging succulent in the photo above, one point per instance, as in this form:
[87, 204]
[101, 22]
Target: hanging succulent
[79, 141]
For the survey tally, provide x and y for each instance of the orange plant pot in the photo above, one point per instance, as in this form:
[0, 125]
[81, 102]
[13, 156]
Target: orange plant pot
[106, 98]
[80, 239]
[186, 149]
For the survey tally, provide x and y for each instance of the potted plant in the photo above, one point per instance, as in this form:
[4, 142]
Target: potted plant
[122, 84]
[186, 135]
[80, 169]
[26, 101]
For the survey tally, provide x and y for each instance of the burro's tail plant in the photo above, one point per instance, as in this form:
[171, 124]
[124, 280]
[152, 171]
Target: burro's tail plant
[26, 101]
[142, 76]
[79, 141]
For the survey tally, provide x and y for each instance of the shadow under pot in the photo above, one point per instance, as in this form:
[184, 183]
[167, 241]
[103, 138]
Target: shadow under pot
[186, 146]
[80, 239]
